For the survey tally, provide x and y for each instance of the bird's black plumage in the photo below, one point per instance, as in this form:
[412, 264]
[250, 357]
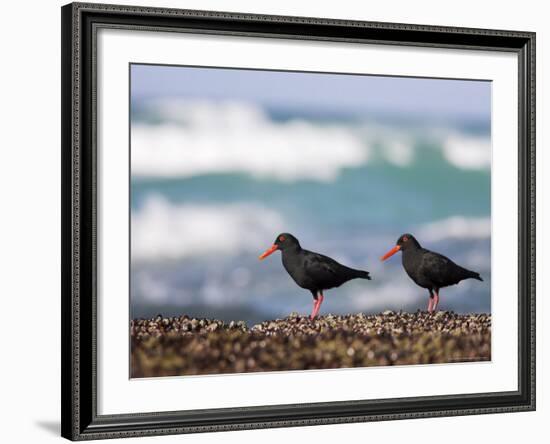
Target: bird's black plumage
[428, 269]
[312, 271]
[432, 270]
[315, 271]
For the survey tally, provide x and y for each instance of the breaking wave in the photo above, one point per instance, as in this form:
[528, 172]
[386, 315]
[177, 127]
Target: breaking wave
[456, 227]
[205, 137]
[162, 230]
[468, 152]
[229, 138]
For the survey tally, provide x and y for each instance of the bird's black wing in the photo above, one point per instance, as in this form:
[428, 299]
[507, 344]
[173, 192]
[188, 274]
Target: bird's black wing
[441, 270]
[325, 271]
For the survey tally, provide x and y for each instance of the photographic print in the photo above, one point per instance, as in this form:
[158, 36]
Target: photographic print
[275, 221]
[284, 220]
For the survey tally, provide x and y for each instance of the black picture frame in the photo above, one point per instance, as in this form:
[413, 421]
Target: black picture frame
[79, 171]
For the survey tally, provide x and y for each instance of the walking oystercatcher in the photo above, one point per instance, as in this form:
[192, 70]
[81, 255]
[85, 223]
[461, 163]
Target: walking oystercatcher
[427, 269]
[312, 271]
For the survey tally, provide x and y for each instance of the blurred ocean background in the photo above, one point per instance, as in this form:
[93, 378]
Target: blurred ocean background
[223, 160]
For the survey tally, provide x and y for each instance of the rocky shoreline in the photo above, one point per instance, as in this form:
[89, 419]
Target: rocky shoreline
[188, 346]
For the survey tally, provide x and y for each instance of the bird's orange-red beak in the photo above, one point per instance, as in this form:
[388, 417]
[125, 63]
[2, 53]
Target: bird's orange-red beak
[269, 251]
[390, 253]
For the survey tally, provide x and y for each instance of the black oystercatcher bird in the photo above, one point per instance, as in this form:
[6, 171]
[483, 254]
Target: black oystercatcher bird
[428, 269]
[312, 271]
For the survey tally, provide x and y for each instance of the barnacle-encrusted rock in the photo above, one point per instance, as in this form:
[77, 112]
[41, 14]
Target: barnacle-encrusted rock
[184, 346]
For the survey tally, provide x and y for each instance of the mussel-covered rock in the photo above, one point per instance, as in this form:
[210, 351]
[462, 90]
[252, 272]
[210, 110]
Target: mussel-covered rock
[188, 346]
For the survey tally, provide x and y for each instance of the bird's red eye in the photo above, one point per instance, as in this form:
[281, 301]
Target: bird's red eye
[282, 238]
[405, 238]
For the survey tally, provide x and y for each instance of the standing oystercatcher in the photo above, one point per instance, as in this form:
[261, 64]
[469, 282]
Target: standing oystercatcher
[428, 269]
[312, 271]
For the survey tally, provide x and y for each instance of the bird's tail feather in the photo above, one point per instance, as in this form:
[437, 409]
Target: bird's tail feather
[474, 275]
[362, 274]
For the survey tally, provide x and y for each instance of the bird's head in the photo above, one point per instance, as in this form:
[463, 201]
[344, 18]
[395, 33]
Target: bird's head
[282, 242]
[405, 242]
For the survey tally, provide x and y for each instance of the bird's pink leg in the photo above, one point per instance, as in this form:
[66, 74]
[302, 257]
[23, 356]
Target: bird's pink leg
[436, 299]
[321, 297]
[317, 305]
[430, 304]
[315, 309]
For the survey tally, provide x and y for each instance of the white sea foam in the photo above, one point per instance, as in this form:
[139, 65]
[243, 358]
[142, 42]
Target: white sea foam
[162, 230]
[456, 227]
[201, 138]
[197, 137]
[399, 152]
[146, 287]
[398, 294]
[467, 152]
